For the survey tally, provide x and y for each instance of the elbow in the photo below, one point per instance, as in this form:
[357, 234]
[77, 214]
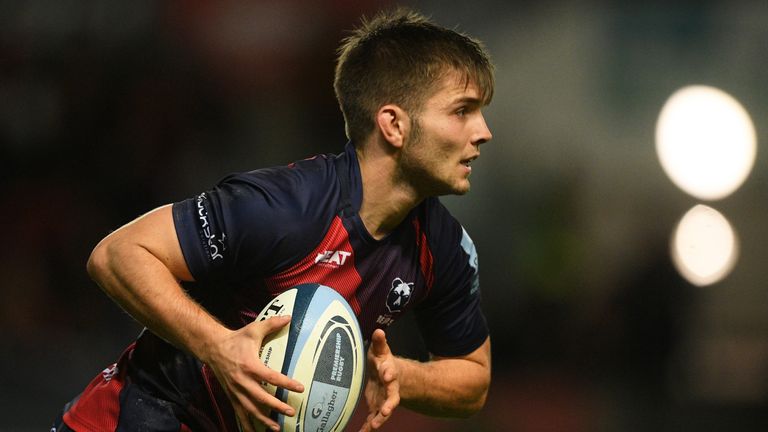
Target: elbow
[99, 262]
[469, 408]
[480, 401]
[96, 262]
[476, 402]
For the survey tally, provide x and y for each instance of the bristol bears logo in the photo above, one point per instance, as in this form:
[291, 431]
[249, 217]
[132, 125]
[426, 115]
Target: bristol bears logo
[399, 295]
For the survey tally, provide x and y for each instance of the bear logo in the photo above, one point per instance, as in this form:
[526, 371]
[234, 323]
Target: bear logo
[399, 295]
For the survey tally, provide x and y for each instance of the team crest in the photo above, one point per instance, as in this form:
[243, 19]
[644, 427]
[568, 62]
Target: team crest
[399, 295]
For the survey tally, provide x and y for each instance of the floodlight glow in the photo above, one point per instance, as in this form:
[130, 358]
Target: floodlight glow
[705, 141]
[704, 246]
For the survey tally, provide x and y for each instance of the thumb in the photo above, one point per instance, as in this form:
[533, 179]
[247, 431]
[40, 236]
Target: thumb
[379, 346]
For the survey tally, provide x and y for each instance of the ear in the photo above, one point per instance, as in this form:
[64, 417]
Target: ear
[392, 122]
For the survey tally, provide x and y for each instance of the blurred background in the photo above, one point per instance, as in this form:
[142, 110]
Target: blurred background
[110, 108]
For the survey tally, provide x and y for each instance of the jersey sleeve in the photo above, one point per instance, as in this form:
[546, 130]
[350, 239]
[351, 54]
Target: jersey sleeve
[451, 319]
[252, 224]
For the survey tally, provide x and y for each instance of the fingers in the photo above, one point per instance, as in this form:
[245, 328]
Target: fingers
[256, 407]
[382, 391]
[243, 376]
[253, 422]
[366, 427]
[378, 420]
[251, 418]
[388, 407]
[274, 324]
[256, 397]
[279, 380]
[390, 387]
[379, 346]
[374, 421]
[266, 374]
[253, 404]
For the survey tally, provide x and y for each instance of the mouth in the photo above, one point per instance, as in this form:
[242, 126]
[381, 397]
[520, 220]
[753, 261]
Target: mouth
[468, 162]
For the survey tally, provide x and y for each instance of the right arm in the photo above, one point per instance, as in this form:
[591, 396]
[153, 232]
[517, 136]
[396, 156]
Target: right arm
[139, 266]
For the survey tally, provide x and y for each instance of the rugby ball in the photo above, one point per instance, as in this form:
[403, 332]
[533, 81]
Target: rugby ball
[321, 348]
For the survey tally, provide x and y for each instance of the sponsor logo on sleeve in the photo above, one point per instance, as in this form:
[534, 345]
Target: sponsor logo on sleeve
[215, 244]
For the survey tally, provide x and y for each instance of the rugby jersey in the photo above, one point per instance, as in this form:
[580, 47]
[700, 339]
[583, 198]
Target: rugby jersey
[259, 233]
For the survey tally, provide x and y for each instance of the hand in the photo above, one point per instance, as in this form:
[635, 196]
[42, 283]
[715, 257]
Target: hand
[382, 389]
[240, 372]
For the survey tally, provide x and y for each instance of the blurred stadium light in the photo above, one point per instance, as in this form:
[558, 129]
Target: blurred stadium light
[705, 141]
[704, 246]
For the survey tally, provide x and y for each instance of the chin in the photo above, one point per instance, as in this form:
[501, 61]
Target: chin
[463, 187]
[460, 189]
[441, 188]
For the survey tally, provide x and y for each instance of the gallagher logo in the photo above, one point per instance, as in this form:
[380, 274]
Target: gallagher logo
[399, 295]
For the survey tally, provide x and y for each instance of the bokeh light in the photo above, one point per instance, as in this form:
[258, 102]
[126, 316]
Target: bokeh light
[704, 246]
[705, 141]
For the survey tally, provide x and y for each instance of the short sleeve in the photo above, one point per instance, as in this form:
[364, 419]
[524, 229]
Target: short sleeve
[255, 223]
[451, 319]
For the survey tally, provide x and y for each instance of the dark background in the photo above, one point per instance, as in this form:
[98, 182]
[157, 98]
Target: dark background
[110, 108]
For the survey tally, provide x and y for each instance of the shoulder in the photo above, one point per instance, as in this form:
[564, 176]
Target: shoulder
[299, 179]
[264, 218]
[440, 226]
[296, 191]
[296, 200]
[449, 241]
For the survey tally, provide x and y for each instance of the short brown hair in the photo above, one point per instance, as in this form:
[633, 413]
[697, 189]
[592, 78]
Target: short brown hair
[398, 57]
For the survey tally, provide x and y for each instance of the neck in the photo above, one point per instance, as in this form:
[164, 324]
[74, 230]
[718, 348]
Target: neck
[387, 199]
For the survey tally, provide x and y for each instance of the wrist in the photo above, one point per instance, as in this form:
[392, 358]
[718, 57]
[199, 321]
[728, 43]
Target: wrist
[411, 377]
[207, 345]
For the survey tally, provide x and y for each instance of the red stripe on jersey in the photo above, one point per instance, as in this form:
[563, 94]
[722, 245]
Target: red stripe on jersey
[331, 263]
[425, 255]
[98, 408]
[218, 399]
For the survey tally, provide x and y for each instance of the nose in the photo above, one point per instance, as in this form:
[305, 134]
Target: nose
[483, 133]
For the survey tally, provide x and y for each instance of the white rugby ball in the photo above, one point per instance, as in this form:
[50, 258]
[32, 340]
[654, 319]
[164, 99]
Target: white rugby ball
[322, 348]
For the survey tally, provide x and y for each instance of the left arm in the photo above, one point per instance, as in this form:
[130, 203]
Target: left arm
[443, 386]
[450, 318]
[447, 386]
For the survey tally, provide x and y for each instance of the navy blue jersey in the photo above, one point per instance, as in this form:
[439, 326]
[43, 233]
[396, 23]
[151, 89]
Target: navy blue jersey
[259, 233]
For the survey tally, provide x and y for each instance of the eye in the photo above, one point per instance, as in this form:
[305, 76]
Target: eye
[461, 111]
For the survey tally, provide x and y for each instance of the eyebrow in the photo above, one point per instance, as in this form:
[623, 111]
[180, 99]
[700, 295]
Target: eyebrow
[468, 100]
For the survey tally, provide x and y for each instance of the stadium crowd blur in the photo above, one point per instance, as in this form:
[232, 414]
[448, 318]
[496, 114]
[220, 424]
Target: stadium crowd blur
[109, 108]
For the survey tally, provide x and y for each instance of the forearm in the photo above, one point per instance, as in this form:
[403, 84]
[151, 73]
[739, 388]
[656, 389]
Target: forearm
[143, 285]
[446, 387]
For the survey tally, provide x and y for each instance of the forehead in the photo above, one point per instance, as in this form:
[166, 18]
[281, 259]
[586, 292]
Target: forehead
[451, 88]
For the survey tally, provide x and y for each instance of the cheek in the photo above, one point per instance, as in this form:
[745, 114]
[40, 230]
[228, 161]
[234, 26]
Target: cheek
[450, 135]
[441, 143]
[450, 148]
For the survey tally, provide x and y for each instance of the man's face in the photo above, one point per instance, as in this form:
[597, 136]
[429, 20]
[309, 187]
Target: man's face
[444, 139]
